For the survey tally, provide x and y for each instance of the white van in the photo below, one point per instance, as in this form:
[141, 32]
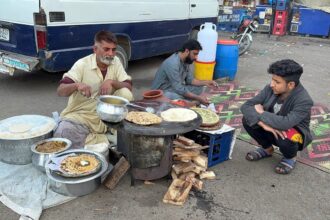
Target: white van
[53, 34]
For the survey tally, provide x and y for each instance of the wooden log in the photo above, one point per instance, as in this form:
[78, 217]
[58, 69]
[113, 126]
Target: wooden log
[200, 160]
[182, 167]
[117, 173]
[178, 192]
[210, 175]
[184, 176]
[185, 141]
[186, 153]
[197, 184]
[173, 175]
[182, 159]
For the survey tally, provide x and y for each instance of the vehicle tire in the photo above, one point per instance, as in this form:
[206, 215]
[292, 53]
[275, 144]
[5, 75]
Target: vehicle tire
[122, 55]
[193, 34]
[244, 43]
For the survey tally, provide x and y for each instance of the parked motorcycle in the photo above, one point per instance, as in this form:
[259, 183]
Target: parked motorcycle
[244, 34]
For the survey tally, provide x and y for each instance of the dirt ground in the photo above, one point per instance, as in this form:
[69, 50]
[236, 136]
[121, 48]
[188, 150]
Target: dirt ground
[242, 189]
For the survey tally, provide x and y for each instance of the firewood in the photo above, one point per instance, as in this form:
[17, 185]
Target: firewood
[197, 169]
[185, 141]
[200, 160]
[184, 176]
[210, 175]
[177, 144]
[173, 175]
[186, 153]
[178, 192]
[197, 184]
[117, 173]
[182, 159]
[182, 167]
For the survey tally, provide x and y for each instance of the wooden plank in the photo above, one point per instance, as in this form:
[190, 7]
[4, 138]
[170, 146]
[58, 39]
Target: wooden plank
[117, 173]
[178, 192]
[182, 167]
[200, 160]
[185, 141]
[197, 184]
[186, 153]
[210, 175]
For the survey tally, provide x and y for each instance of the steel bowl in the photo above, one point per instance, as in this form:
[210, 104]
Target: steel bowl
[18, 151]
[112, 108]
[76, 186]
[39, 159]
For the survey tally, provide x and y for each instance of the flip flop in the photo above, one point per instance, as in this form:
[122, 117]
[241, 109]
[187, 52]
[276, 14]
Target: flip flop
[285, 166]
[257, 154]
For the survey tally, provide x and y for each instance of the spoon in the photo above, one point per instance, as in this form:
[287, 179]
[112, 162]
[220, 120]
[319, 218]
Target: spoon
[147, 109]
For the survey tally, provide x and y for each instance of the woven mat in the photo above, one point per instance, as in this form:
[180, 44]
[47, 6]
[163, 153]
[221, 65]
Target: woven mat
[229, 97]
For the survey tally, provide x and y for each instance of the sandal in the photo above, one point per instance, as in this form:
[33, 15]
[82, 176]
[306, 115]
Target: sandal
[257, 154]
[285, 166]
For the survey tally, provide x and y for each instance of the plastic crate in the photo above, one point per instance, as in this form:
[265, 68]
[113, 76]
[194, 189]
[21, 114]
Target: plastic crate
[280, 23]
[282, 4]
[220, 144]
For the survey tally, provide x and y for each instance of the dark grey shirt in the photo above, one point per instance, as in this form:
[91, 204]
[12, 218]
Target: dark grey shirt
[173, 75]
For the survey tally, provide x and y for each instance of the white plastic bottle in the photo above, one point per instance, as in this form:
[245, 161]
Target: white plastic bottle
[207, 37]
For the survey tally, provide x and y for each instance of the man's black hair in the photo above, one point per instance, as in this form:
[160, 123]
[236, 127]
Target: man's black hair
[191, 45]
[290, 70]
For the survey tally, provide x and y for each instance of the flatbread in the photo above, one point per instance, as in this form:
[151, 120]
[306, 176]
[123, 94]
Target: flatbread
[80, 164]
[209, 117]
[178, 115]
[143, 118]
[19, 128]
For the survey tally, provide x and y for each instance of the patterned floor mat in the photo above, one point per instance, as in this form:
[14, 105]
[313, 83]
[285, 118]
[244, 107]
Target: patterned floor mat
[229, 97]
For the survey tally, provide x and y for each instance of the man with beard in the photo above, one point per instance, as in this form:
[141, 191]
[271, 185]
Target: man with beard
[100, 73]
[175, 77]
[279, 116]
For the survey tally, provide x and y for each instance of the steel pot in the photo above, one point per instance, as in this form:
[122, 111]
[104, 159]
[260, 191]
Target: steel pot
[39, 159]
[76, 186]
[19, 151]
[112, 108]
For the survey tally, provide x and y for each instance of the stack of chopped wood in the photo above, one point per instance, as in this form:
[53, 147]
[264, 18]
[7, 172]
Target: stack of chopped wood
[189, 168]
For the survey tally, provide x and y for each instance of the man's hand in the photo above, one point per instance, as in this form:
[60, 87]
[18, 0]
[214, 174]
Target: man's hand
[84, 89]
[203, 100]
[211, 83]
[106, 87]
[259, 108]
[274, 131]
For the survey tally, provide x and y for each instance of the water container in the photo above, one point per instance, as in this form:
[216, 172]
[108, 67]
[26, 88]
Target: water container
[226, 59]
[204, 70]
[207, 37]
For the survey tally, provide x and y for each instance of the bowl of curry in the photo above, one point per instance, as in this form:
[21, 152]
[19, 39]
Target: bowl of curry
[45, 149]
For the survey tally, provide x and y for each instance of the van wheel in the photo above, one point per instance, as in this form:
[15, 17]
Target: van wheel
[193, 34]
[122, 55]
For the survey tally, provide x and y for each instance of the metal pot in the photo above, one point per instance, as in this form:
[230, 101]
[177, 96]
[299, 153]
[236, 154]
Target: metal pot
[39, 159]
[16, 147]
[76, 186]
[112, 108]
[19, 151]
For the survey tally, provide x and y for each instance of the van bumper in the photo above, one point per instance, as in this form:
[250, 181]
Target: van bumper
[9, 62]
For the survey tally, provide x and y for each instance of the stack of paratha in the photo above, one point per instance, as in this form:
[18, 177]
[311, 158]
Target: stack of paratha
[143, 118]
[211, 120]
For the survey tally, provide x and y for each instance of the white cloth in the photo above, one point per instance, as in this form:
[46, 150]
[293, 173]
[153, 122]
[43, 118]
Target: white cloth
[24, 189]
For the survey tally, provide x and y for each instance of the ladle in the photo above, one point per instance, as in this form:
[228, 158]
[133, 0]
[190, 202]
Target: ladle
[147, 109]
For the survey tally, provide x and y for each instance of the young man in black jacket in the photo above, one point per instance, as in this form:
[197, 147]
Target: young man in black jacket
[279, 115]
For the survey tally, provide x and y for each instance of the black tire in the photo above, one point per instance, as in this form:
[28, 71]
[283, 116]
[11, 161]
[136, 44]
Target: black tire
[244, 43]
[122, 55]
[193, 34]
